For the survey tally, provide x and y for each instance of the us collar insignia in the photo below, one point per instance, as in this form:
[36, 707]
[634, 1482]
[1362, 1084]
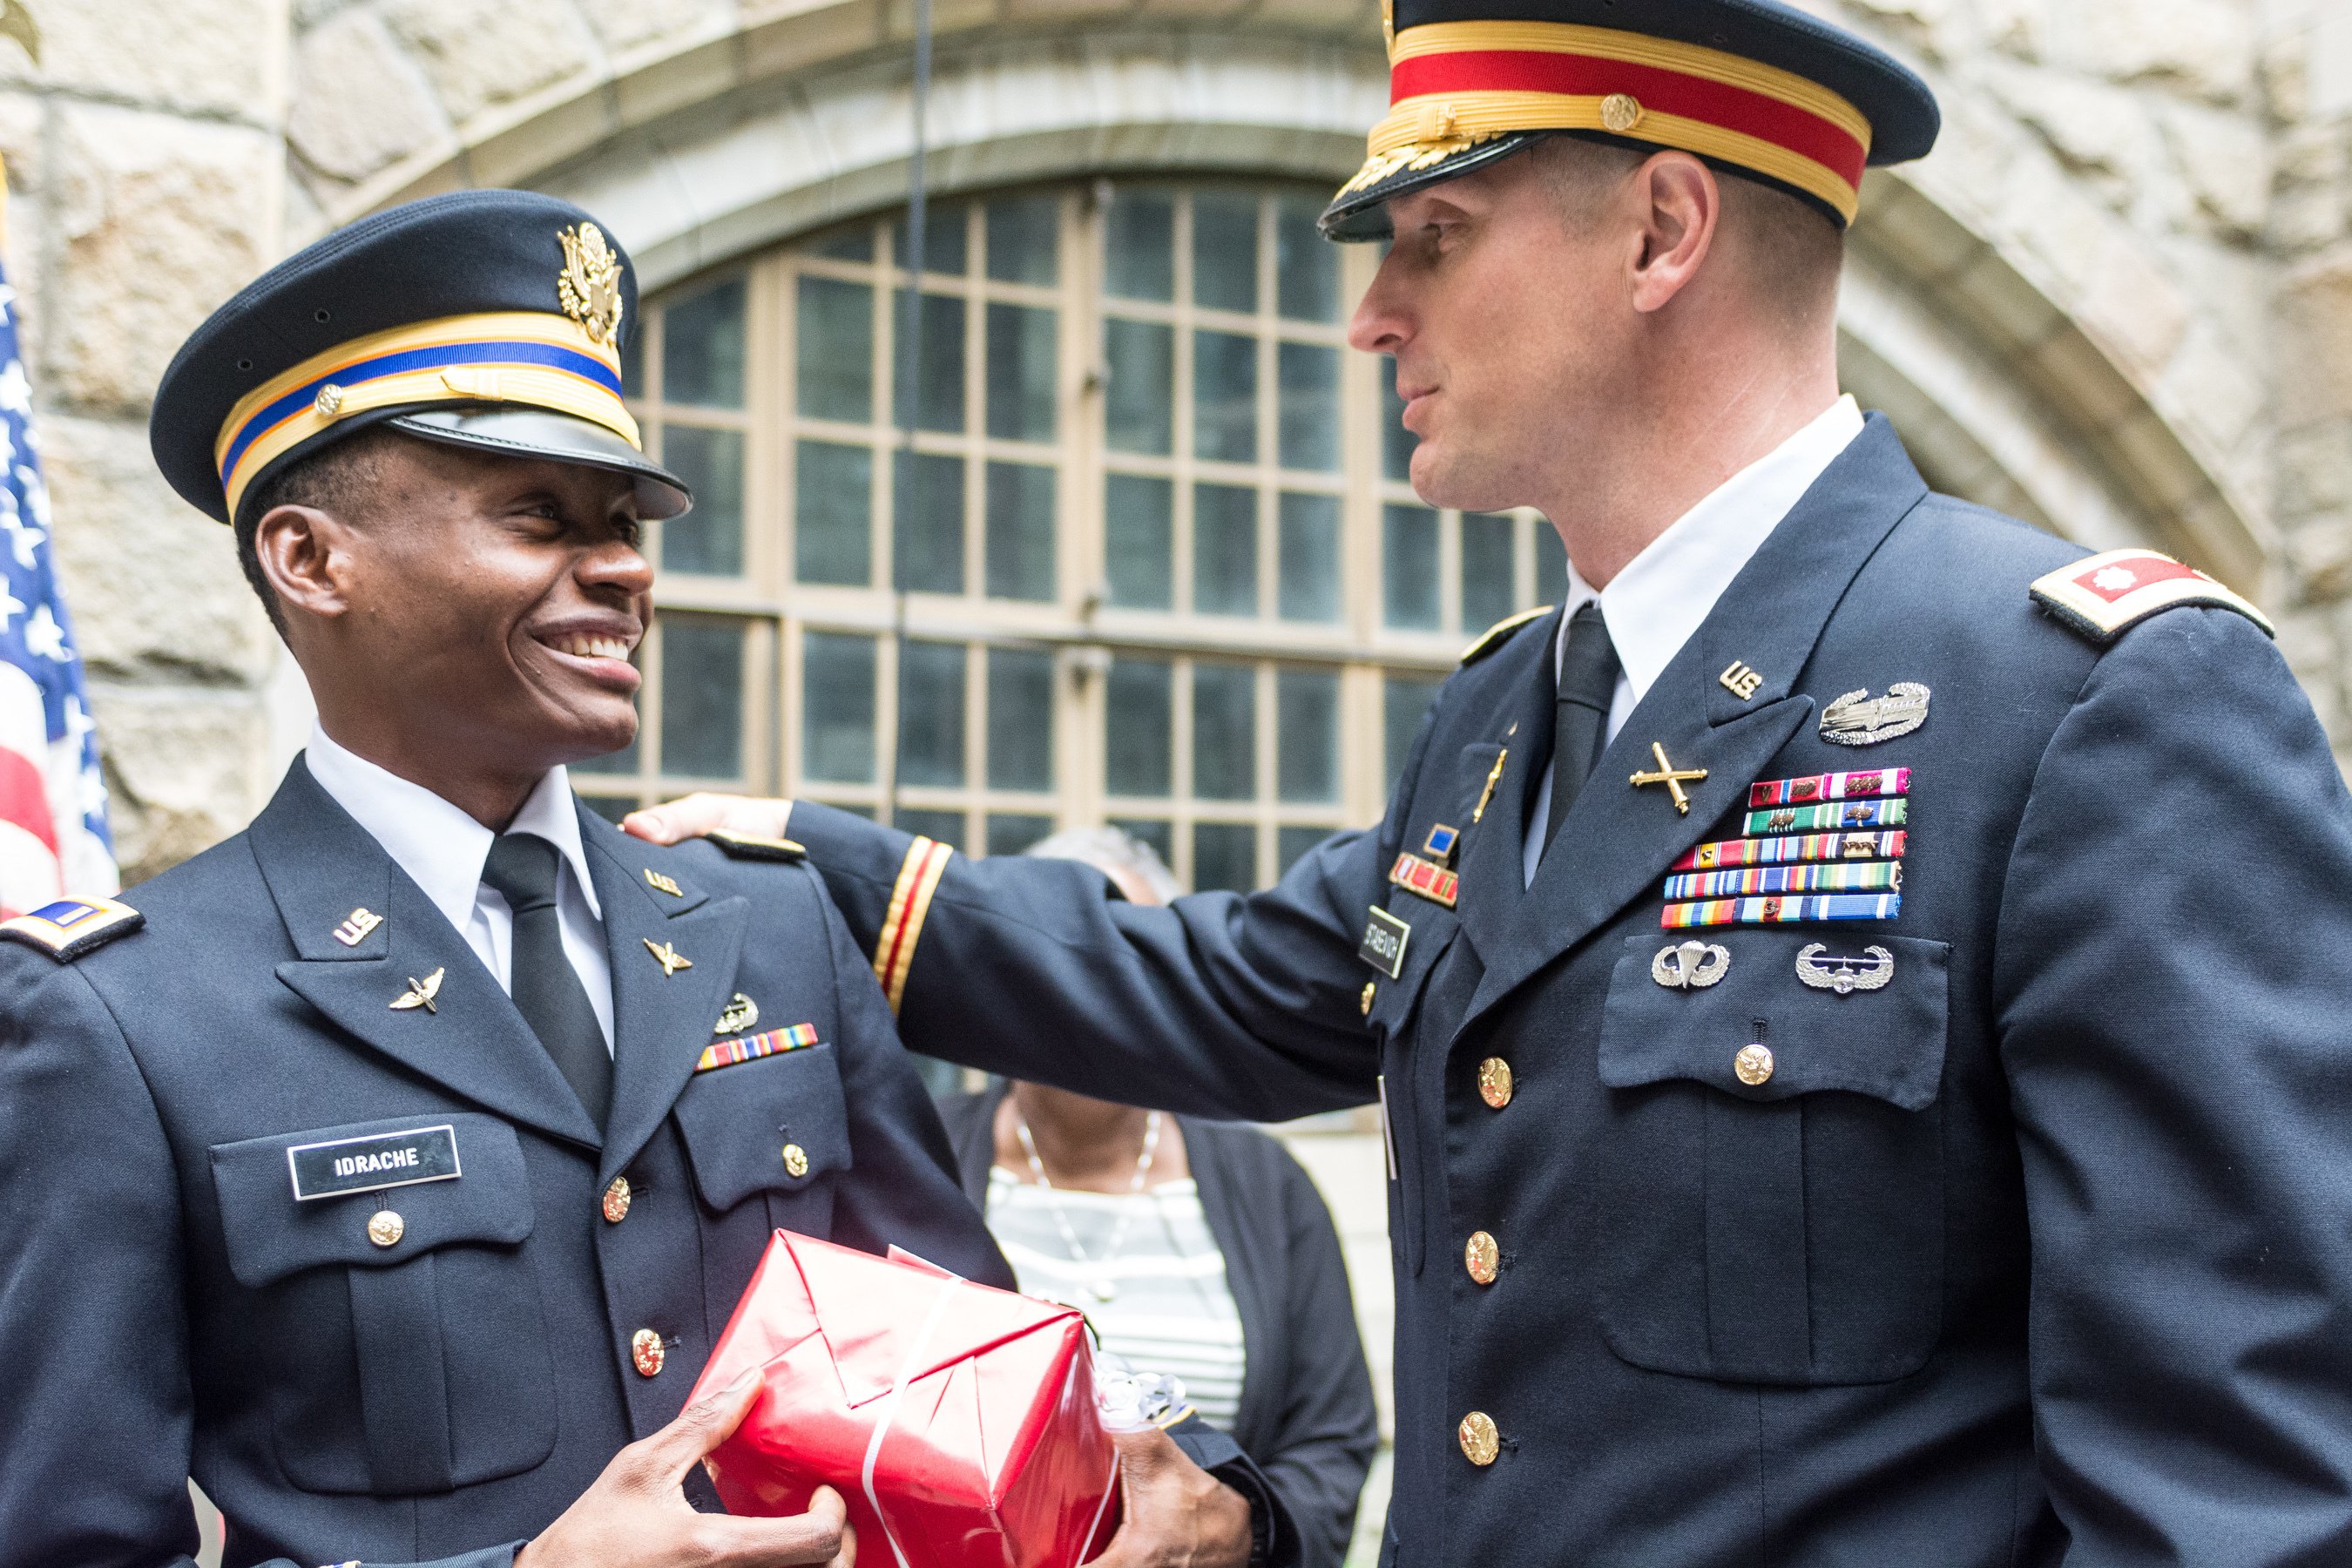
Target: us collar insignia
[356, 926]
[1858, 719]
[668, 957]
[420, 993]
[1432, 881]
[589, 287]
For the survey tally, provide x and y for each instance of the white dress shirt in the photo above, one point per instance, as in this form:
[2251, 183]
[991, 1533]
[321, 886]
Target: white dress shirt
[1653, 606]
[443, 851]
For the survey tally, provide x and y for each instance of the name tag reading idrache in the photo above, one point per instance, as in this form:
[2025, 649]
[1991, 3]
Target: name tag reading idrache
[377, 1161]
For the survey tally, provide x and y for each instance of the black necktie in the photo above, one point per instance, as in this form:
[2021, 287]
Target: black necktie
[545, 987]
[1580, 730]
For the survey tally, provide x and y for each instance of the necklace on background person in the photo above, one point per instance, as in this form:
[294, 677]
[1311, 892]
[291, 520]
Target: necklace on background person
[1100, 1287]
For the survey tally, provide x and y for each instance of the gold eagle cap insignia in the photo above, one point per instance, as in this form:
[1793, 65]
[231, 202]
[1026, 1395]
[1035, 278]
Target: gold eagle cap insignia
[589, 287]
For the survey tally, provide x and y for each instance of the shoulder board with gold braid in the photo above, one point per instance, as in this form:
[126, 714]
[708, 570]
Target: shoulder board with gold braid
[72, 926]
[2108, 595]
[1500, 632]
[750, 846]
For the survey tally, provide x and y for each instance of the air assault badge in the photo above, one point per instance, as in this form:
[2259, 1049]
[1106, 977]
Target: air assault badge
[589, 287]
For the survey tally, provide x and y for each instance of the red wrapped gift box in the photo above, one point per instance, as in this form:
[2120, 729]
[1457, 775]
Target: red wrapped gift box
[957, 1421]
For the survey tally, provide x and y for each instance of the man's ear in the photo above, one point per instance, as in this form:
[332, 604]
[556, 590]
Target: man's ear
[1682, 207]
[307, 556]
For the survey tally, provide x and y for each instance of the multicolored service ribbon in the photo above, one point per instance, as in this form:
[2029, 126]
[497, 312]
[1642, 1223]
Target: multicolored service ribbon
[1781, 912]
[1831, 786]
[1850, 816]
[1836, 877]
[1725, 852]
[751, 1048]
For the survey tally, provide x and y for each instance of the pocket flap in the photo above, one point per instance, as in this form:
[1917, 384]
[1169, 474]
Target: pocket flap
[1882, 1035]
[738, 1120]
[271, 1233]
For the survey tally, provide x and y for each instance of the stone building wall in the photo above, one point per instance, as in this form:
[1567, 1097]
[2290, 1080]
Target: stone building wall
[2138, 236]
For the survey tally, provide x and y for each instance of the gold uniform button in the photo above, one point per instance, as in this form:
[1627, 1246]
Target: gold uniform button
[1480, 1441]
[616, 1200]
[795, 1160]
[386, 1228]
[1370, 989]
[1494, 1082]
[1481, 1257]
[1753, 1064]
[647, 1353]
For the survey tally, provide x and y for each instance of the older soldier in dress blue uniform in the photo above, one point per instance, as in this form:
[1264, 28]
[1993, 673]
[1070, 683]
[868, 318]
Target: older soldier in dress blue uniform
[1857, 992]
[391, 1166]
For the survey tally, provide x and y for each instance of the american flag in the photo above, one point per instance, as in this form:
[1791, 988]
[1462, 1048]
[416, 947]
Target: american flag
[53, 834]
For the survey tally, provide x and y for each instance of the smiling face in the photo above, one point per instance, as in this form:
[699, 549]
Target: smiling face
[472, 617]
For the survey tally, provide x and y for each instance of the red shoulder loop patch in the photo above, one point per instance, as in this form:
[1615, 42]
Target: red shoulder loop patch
[2108, 595]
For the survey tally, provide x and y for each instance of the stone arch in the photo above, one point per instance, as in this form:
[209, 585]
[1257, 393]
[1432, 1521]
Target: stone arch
[2039, 352]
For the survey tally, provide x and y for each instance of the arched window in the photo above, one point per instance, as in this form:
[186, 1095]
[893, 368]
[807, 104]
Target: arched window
[1151, 559]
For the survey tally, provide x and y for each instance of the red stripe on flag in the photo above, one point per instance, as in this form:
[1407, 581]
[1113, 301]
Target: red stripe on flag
[25, 798]
[1659, 91]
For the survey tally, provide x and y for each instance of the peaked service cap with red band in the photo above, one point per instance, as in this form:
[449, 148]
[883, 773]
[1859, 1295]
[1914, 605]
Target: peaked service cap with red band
[1755, 88]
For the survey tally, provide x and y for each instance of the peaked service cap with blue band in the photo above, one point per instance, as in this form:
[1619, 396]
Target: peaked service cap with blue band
[487, 319]
[1755, 88]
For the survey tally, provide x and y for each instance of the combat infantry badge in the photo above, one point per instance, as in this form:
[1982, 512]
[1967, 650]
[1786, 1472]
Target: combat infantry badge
[589, 287]
[1858, 719]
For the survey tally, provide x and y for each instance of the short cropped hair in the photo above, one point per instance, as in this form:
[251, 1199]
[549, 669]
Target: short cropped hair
[337, 480]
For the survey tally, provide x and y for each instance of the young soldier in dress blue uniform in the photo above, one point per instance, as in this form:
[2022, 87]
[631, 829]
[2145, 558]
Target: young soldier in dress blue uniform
[1856, 992]
[391, 1167]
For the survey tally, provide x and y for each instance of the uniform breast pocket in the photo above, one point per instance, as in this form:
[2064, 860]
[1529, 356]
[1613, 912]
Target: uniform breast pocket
[775, 1128]
[1772, 1173]
[386, 1262]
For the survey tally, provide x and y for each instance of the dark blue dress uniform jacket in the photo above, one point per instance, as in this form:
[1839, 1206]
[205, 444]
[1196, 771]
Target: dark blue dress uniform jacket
[2039, 1254]
[175, 1310]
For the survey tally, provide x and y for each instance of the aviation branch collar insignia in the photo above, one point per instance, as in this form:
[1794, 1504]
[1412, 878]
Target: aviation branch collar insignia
[2107, 595]
[1858, 719]
[70, 927]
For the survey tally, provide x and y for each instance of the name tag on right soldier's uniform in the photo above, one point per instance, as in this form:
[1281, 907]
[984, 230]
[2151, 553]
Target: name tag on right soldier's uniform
[377, 1161]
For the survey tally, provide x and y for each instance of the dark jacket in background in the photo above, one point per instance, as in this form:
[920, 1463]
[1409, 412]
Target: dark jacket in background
[1306, 1414]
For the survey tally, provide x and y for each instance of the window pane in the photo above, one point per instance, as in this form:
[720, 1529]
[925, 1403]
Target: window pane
[930, 713]
[1404, 699]
[710, 537]
[1139, 402]
[1488, 595]
[702, 699]
[1225, 397]
[1021, 237]
[1010, 833]
[1305, 265]
[1225, 856]
[632, 358]
[947, 826]
[1306, 734]
[1308, 408]
[837, 707]
[1139, 246]
[1224, 250]
[1138, 725]
[1551, 564]
[1396, 442]
[940, 373]
[1020, 531]
[1020, 721]
[846, 245]
[1145, 830]
[944, 243]
[930, 537]
[1224, 549]
[836, 350]
[702, 347]
[1224, 731]
[1290, 843]
[1409, 567]
[1020, 373]
[1308, 589]
[610, 807]
[1140, 542]
[833, 530]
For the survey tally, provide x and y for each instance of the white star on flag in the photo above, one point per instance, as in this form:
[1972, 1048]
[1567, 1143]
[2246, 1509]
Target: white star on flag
[45, 637]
